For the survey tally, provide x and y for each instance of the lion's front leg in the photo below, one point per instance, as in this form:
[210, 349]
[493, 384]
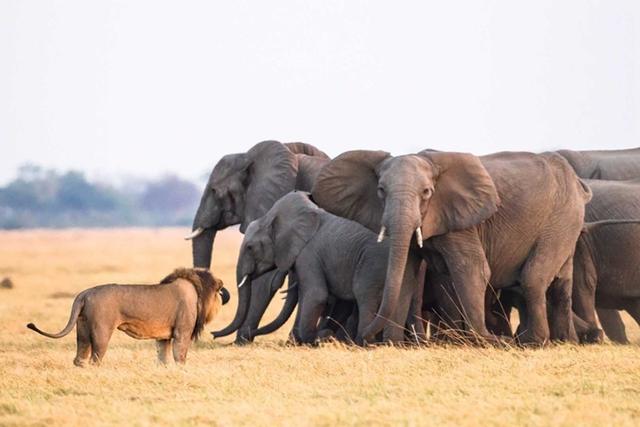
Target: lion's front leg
[181, 344]
[164, 348]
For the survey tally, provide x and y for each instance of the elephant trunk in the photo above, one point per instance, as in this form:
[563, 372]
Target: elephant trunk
[287, 309]
[402, 226]
[244, 299]
[202, 248]
[205, 225]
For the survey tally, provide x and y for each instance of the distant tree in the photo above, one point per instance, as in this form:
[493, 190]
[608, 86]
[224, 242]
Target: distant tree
[169, 193]
[75, 192]
[44, 198]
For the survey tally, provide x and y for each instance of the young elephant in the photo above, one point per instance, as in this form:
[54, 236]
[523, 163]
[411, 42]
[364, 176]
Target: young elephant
[329, 255]
[172, 312]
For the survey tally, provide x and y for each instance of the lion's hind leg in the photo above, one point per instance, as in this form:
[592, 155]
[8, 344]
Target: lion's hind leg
[164, 348]
[100, 336]
[83, 342]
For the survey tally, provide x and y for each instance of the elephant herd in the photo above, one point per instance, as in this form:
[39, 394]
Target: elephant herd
[385, 248]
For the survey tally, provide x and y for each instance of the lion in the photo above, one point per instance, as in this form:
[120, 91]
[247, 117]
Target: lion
[173, 312]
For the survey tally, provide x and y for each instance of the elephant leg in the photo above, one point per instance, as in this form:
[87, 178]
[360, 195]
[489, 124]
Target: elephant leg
[367, 309]
[534, 284]
[262, 291]
[498, 314]
[350, 330]
[613, 325]
[311, 306]
[313, 300]
[584, 295]
[548, 266]
[634, 310]
[470, 274]
[337, 316]
[294, 335]
[416, 330]
[562, 326]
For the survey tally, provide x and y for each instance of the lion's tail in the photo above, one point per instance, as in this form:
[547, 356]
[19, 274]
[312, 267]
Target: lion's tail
[78, 304]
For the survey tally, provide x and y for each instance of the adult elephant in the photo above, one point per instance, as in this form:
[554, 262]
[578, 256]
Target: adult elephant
[608, 165]
[604, 164]
[499, 219]
[606, 272]
[243, 187]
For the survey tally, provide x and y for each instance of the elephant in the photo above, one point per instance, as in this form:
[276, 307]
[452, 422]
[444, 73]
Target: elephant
[609, 224]
[330, 256]
[241, 188]
[498, 219]
[613, 165]
[606, 273]
[608, 165]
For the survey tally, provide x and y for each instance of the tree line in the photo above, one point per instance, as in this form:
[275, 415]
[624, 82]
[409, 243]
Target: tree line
[39, 197]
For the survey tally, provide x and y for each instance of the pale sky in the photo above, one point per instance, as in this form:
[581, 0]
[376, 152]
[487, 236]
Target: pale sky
[147, 87]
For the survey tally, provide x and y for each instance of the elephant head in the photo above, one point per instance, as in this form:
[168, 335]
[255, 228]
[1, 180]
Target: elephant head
[272, 242]
[242, 187]
[425, 194]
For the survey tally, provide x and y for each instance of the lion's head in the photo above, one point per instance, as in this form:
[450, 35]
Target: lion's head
[208, 289]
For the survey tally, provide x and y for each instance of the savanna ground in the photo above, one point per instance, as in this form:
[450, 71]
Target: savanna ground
[269, 382]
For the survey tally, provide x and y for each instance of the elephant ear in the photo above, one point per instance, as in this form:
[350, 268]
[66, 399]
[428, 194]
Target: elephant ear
[272, 174]
[291, 231]
[464, 193]
[347, 186]
[307, 149]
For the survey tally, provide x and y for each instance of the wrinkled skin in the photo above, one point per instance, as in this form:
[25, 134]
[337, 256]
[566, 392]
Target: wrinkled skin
[330, 256]
[504, 218]
[607, 260]
[173, 313]
[241, 188]
[613, 165]
[607, 165]
[603, 270]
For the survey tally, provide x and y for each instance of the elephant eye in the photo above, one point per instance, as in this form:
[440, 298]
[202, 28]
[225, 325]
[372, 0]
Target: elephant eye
[381, 192]
[427, 193]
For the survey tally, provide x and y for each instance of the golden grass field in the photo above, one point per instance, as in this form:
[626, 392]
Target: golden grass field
[269, 382]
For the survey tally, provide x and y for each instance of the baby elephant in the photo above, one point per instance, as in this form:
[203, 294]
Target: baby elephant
[329, 256]
[172, 312]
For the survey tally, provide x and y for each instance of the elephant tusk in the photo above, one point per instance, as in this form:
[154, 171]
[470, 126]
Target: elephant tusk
[381, 235]
[244, 279]
[195, 233]
[419, 236]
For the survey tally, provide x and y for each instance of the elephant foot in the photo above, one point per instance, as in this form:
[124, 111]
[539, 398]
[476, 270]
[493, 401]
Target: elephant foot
[326, 334]
[243, 340]
[592, 336]
[530, 340]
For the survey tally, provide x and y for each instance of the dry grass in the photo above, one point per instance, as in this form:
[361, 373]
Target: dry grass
[269, 382]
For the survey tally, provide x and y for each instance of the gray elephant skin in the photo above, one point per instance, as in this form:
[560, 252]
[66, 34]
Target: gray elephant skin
[607, 165]
[330, 256]
[243, 187]
[607, 259]
[613, 165]
[498, 219]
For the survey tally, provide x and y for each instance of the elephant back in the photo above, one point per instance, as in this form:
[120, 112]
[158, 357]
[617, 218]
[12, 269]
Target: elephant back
[307, 149]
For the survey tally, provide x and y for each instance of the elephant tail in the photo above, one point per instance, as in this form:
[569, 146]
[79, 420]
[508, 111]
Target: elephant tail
[587, 194]
[76, 308]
